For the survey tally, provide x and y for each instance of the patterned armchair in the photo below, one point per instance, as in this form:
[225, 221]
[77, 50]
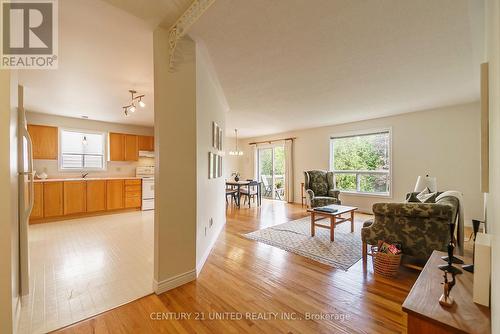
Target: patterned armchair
[420, 227]
[319, 186]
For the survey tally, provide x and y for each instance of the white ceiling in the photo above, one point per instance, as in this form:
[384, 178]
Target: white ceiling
[103, 52]
[282, 64]
[286, 65]
[155, 12]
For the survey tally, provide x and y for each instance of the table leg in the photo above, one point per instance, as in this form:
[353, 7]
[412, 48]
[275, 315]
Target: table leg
[352, 221]
[238, 202]
[260, 194]
[332, 228]
[313, 219]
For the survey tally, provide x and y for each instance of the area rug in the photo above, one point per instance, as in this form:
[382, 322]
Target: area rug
[295, 237]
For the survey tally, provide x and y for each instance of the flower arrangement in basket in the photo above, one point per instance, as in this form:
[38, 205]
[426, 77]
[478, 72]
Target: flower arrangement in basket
[386, 258]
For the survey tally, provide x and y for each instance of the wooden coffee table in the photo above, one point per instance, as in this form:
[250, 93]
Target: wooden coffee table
[335, 218]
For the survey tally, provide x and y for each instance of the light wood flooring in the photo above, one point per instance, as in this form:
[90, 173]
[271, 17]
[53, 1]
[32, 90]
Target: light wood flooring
[242, 276]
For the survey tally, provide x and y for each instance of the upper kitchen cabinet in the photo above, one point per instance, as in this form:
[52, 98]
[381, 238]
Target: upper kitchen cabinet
[131, 148]
[116, 146]
[146, 143]
[123, 147]
[45, 141]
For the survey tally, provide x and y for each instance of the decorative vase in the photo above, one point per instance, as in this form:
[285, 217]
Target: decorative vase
[236, 178]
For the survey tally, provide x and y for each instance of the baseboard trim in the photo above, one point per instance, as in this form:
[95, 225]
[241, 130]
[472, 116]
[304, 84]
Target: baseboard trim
[201, 263]
[174, 282]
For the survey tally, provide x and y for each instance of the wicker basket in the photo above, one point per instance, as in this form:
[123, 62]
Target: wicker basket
[385, 265]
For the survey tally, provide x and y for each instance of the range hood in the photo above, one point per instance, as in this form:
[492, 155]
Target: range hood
[147, 154]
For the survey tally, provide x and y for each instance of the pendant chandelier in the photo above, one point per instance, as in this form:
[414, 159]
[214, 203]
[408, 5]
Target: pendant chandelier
[236, 151]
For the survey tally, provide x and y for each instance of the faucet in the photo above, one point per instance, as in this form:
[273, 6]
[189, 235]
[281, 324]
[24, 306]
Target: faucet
[84, 175]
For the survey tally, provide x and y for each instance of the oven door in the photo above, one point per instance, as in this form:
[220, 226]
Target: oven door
[148, 188]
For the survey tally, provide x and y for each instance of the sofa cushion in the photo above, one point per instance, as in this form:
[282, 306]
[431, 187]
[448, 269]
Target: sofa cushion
[323, 201]
[318, 183]
[412, 198]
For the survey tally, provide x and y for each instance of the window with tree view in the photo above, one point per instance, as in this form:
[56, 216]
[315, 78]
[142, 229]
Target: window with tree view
[361, 163]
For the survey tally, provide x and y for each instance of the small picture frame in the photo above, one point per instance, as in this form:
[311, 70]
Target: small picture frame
[211, 165]
[217, 136]
[220, 135]
[219, 165]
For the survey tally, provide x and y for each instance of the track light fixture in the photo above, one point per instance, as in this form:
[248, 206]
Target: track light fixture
[131, 108]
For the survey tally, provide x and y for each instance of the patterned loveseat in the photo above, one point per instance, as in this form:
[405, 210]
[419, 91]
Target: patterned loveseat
[420, 227]
[319, 185]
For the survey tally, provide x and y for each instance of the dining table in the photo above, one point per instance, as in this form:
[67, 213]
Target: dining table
[244, 183]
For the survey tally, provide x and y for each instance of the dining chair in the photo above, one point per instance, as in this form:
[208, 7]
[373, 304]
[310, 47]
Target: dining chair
[231, 193]
[251, 192]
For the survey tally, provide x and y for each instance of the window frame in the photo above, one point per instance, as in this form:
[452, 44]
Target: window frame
[361, 172]
[83, 169]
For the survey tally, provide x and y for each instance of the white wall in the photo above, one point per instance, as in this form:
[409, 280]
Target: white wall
[492, 13]
[442, 142]
[114, 168]
[176, 178]
[210, 192]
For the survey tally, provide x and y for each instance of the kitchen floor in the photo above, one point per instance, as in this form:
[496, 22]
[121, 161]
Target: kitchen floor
[85, 266]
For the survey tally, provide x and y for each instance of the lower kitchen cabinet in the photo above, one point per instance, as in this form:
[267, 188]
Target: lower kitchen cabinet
[133, 194]
[114, 194]
[37, 211]
[75, 199]
[53, 199]
[96, 195]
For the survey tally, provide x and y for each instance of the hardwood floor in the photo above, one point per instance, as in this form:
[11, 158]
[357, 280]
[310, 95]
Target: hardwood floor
[243, 276]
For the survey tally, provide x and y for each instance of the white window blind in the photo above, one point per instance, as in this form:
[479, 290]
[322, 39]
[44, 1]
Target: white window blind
[81, 150]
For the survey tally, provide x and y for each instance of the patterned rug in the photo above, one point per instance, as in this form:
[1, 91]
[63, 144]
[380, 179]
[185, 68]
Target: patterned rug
[295, 237]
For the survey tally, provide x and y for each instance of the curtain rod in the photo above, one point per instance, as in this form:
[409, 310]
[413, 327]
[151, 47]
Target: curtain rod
[271, 141]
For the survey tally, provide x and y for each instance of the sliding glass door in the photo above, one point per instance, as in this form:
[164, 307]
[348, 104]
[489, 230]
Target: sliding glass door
[271, 163]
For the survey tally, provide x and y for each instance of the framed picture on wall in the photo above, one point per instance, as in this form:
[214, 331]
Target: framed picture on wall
[215, 135]
[219, 165]
[211, 165]
[219, 142]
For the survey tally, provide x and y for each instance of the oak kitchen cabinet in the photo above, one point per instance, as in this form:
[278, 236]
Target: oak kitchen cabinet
[75, 199]
[146, 143]
[123, 147]
[133, 193]
[114, 194]
[131, 148]
[53, 199]
[116, 146]
[45, 141]
[37, 212]
[96, 195]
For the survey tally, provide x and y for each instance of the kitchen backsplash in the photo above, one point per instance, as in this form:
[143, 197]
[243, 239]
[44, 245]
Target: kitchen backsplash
[114, 168]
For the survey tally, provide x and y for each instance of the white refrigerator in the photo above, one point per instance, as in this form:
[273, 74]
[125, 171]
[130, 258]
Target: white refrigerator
[26, 190]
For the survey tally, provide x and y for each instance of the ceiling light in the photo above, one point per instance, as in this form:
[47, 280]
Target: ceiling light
[131, 108]
[236, 152]
[141, 103]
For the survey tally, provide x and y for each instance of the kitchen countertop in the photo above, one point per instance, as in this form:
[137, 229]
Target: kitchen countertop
[88, 179]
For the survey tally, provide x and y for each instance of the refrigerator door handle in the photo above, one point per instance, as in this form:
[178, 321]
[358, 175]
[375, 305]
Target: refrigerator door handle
[30, 173]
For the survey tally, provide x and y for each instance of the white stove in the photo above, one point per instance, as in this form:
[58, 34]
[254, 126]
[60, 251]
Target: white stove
[148, 186]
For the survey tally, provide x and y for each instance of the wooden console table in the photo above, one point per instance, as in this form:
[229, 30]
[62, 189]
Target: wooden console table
[425, 315]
